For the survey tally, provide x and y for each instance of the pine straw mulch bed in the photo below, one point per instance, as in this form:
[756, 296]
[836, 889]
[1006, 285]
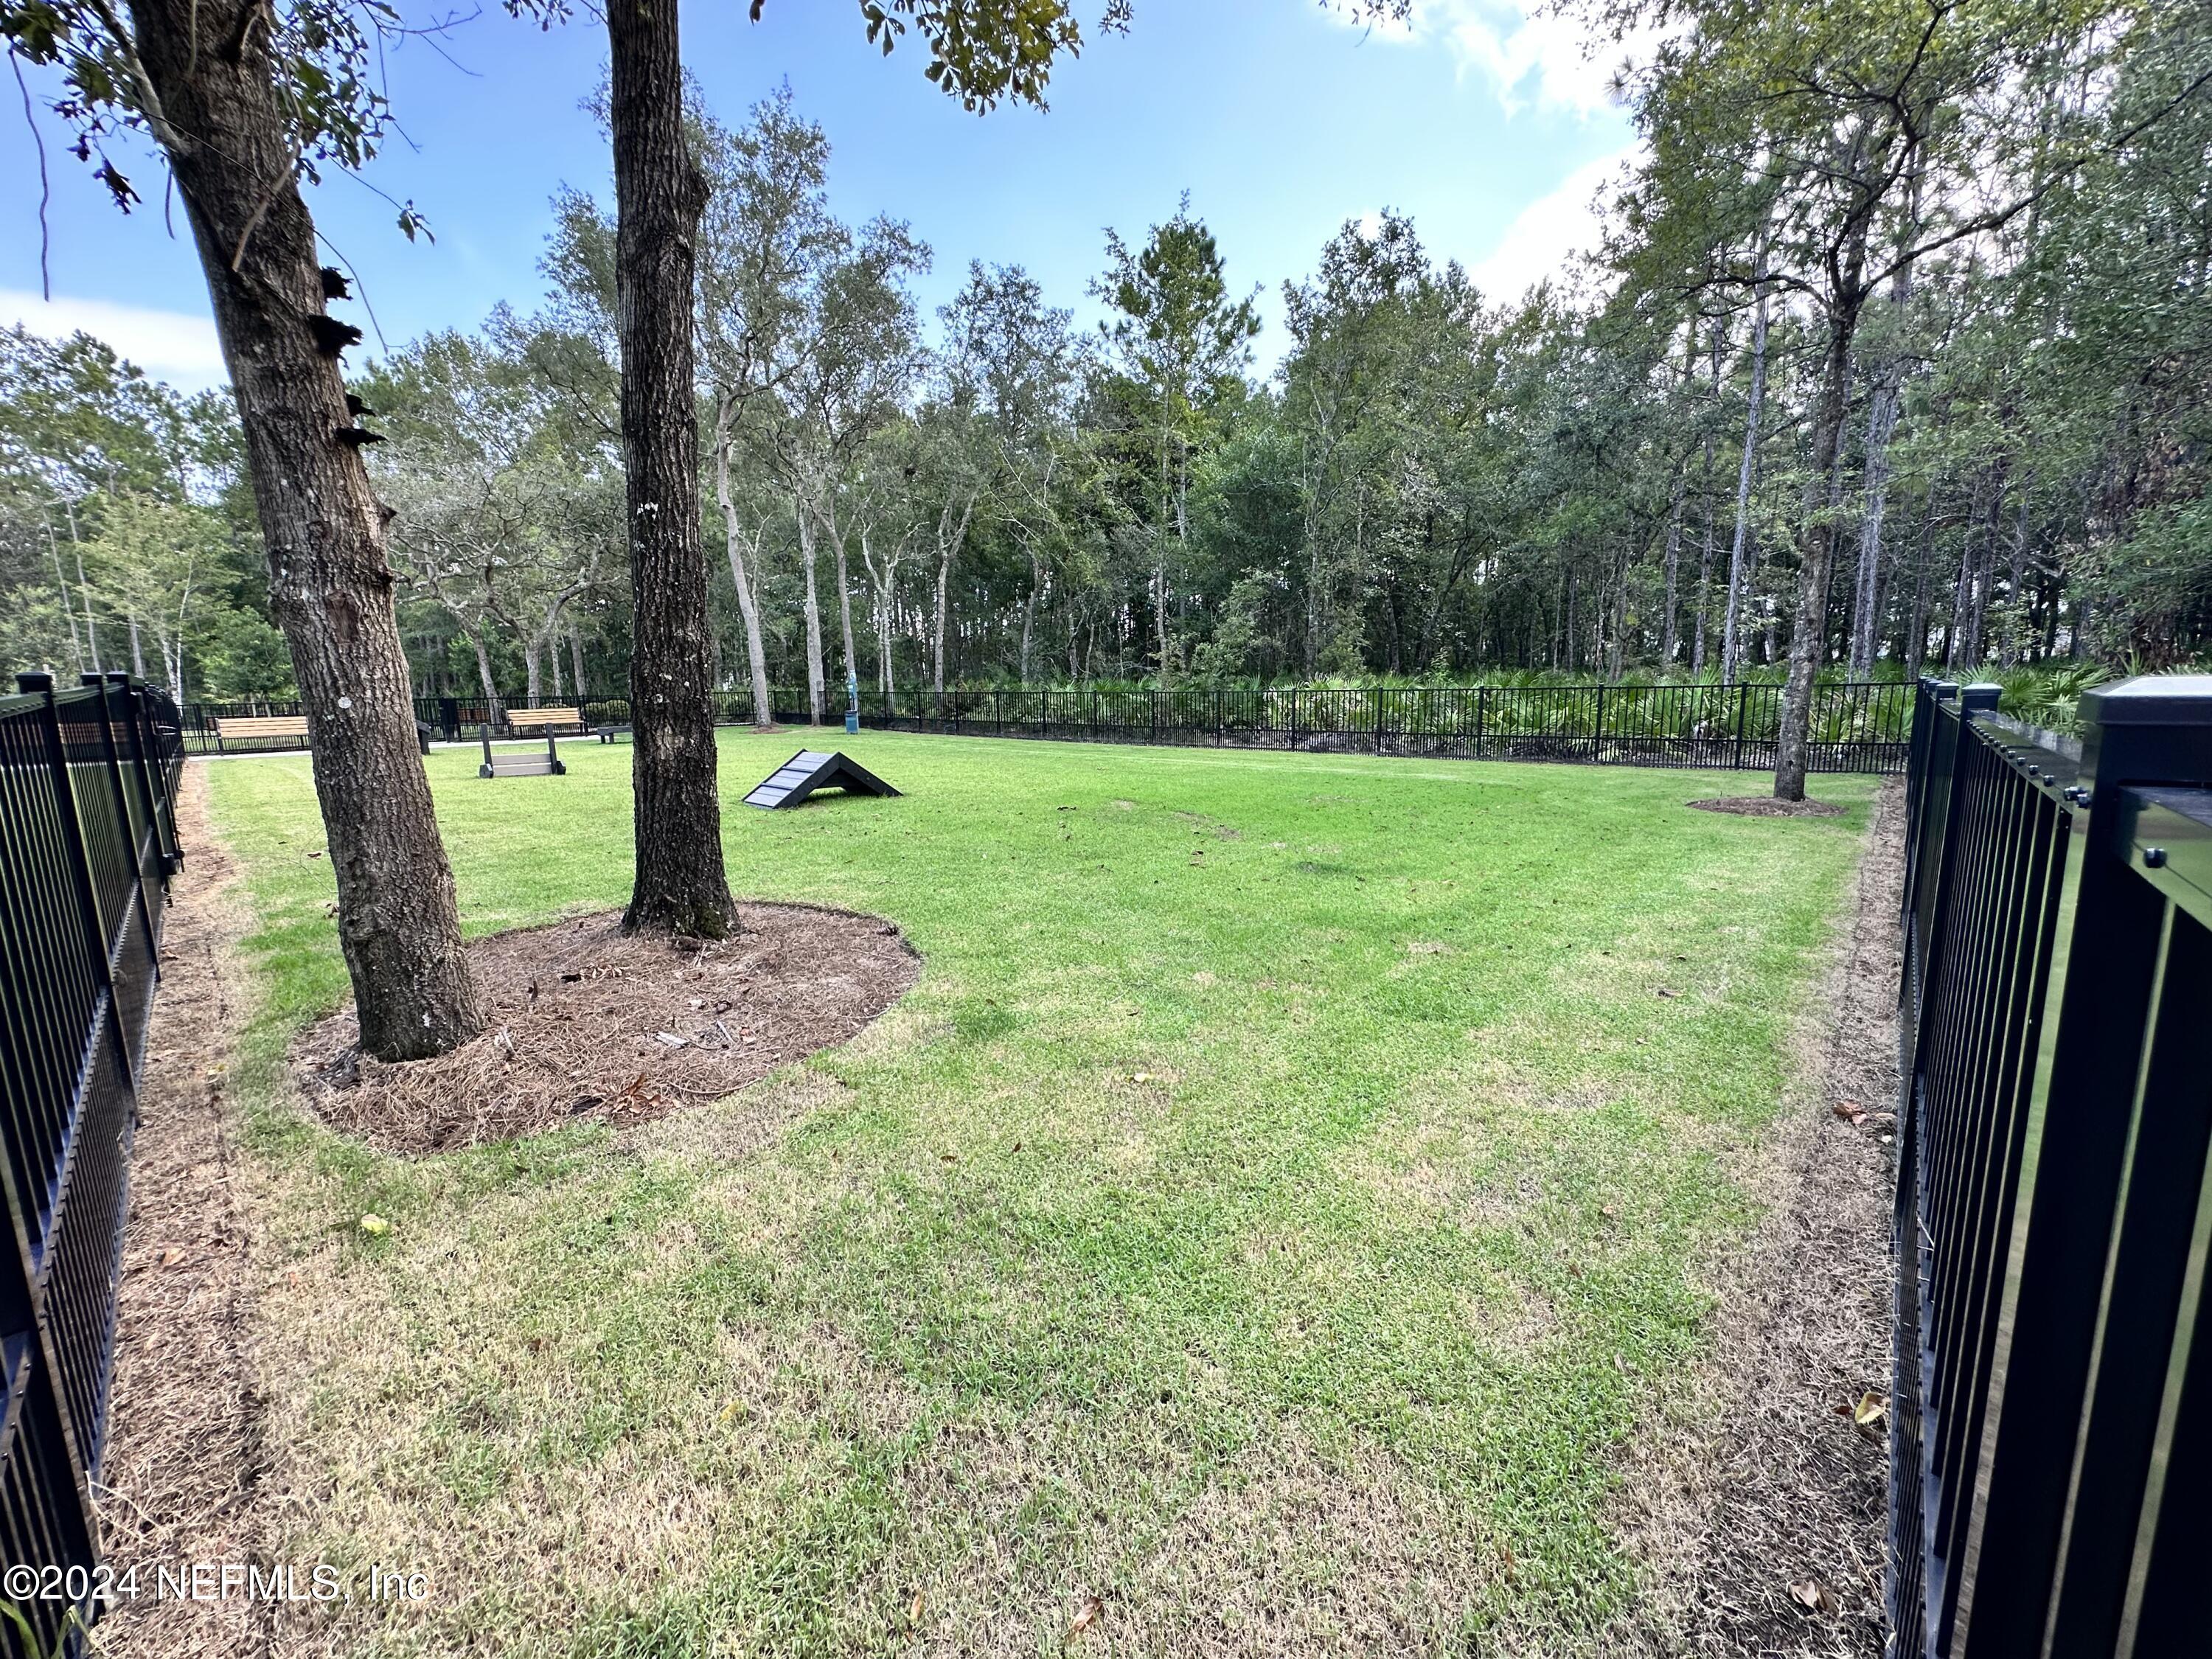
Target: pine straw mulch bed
[1765, 806]
[585, 1022]
[1757, 1511]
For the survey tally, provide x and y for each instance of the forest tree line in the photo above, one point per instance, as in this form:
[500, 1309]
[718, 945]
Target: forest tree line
[1972, 381]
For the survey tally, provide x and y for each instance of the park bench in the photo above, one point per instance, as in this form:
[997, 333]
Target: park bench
[291, 728]
[531, 721]
[240, 727]
[531, 765]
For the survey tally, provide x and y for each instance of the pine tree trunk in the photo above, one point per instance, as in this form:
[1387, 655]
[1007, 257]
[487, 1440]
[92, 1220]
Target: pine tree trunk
[330, 587]
[659, 193]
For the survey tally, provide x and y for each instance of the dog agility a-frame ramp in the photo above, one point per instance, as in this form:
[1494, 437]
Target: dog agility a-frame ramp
[811, 769]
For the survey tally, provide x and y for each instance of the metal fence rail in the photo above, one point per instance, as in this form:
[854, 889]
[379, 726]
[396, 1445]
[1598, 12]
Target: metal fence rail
[1855, 727]
[2050, 1450]
[88, 843]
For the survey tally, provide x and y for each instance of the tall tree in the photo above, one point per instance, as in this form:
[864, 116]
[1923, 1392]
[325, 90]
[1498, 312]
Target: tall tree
[1180, 344]
[680, 885]
[241, 104]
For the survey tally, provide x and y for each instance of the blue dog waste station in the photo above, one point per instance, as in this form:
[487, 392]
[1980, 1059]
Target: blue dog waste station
[851, 702]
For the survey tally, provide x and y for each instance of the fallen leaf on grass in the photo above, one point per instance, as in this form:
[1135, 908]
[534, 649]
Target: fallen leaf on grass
[375, 1225]
[1092, 1607]
[913, 1612]
[173, 1255]
[1812, 1595]
[1870, 1410]
[1850, 1111]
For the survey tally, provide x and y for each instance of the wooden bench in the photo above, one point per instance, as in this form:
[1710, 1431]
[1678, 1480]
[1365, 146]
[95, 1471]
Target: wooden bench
[612, 733]
[532, 720]
[240, 727]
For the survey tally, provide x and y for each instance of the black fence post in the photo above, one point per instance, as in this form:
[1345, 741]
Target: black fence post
[1375, 698]
[103, 685]
[2069, 1366]
[1742, 715]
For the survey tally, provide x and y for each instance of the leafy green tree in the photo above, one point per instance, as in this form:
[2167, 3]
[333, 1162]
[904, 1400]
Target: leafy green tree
[1179, 345]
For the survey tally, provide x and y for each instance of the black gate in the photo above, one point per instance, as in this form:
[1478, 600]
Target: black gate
[88, 843]
[2051, 1452]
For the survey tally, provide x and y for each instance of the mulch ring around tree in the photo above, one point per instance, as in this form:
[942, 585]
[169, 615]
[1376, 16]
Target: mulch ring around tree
[1765, 806]
[587, 1023]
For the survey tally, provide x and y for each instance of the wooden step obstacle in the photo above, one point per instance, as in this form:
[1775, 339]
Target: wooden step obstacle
[811, 769]
[520, 766]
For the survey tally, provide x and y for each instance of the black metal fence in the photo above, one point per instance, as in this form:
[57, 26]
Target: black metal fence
[88, 843]
[1855, 727]
[2051, 1449]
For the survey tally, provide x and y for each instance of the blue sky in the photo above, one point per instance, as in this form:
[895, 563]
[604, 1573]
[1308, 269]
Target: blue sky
[1490, 128]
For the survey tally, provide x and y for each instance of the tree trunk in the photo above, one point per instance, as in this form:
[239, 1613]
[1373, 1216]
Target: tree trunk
[937, 643]
[950, 539]
[495, 713]
[814, 679]
[1816, 550]
[576, 659]
[1916, 640]
[1738, 562]
[845, 604]
[69, 606]
[330, 585]
[659, 193]
[1669, 639]
[740, 578]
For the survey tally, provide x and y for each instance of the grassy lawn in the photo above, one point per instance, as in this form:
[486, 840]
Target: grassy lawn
[1289, 1182]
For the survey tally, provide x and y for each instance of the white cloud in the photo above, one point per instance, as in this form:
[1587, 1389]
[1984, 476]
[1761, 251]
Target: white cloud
[1548, 59]
[1552, 230]
[170, 345]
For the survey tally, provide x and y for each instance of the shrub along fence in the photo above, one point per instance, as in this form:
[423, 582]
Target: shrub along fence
[2050, 1442]
[88, 843]
[1855, 727]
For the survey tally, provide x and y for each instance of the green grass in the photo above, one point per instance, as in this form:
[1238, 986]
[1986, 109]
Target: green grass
[1285, 1190]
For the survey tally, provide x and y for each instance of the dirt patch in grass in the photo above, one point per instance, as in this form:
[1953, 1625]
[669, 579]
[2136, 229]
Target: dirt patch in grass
[1761, 1480]
[589, 1022]
[186, 1449]
[1765, 806]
